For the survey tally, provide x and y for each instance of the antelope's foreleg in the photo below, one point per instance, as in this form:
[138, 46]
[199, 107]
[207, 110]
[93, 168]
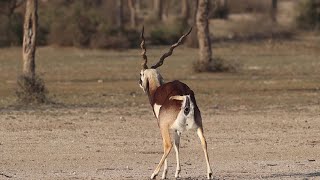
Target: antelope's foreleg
[167, 145]
[204, 147]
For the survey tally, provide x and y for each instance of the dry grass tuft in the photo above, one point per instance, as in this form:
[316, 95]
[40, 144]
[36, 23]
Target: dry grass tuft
[217, 64]
[31, 90]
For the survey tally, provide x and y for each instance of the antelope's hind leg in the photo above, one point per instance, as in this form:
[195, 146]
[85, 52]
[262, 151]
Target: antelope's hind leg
[204, 147]
[165, 169]
[177, 135]
[167, 146]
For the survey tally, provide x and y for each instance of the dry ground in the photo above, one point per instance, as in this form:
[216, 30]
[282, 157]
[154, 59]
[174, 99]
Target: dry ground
[117, 143]
[262, 122]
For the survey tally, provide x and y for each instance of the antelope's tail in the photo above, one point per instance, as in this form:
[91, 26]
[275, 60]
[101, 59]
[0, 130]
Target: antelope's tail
[186, 104]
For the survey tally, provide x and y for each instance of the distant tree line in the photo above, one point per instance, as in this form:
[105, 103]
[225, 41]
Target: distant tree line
[95, 23]
[116, 23]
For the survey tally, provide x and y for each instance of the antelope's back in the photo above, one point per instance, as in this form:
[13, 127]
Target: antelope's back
[174, 88]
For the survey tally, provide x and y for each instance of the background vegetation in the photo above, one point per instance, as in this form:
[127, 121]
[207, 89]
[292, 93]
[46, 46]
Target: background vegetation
[93, 23]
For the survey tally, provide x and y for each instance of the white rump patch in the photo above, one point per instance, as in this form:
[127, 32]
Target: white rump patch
[156, 109]
[183, 121]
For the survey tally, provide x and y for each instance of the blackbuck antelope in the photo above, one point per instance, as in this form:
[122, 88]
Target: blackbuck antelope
[174, 106]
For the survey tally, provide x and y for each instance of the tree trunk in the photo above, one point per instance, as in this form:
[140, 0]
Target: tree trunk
[120, 15]
[205, 52]
[158, 9]
[137, 6]
[274, 7]
[133, 17]
[29, 38]
[165, 10]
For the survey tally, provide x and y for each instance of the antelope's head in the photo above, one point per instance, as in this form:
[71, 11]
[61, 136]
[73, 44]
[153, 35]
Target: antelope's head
[151, 76]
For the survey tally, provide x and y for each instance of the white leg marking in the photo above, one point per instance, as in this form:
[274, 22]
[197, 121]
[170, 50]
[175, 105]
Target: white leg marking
[156, 109]
[177, 135]
[165, 169]
[204, 147]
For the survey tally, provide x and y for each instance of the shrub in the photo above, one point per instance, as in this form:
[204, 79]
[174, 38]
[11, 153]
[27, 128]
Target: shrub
[11, 30]
[61, 34]
[308, 15]
[114, 39]
[162, 36]
[253, 29]
[16, 29]
[133, 37]
[42, 35]
[217, 65]
[105, 41]
[165, 34]
[4, 38]
[31, 90]
[219, 11]
[249, 6]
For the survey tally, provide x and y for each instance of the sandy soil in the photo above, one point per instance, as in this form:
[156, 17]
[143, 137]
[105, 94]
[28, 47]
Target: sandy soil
[114, 143]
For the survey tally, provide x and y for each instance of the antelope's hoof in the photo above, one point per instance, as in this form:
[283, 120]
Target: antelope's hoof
[153, 176]
[177, 175]
[210, 176]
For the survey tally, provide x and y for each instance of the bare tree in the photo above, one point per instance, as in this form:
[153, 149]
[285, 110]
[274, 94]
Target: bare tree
[274, 7]
[158, 9]
[185, 11]
[29, 38]
[138, 6]
[131, 5]
[119, 14]
[165, 11]
[205, 52]
[31, 88]
[224, 4]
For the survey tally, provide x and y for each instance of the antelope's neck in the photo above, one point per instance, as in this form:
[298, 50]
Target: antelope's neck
[153, 85]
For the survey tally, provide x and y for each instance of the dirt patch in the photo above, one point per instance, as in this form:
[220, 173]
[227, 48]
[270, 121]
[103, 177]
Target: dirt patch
[104, 143]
